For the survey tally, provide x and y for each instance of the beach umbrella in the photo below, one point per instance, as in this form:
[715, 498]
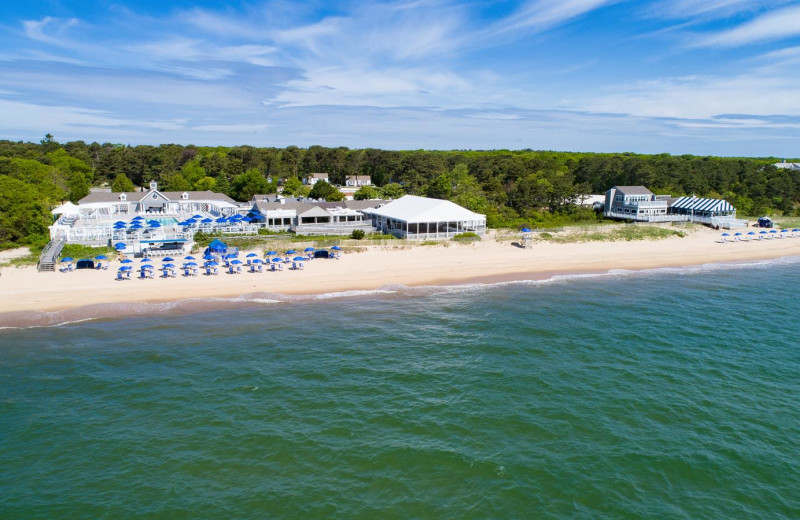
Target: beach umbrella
[309, 249]
[198, 217]
[212, 264]
[67, 259]
[167, 259]
[291, 252]
[752, 233]
[336, 248]
[300, 259]
[276, 260]
[191, 264]
[272, 253]
[795, 230]
[251, 255]
[137, 226]
[221, 220]
[154, 224]
[138, 217]
[188, 257]
[208, 257]
[101, 257]
[206, 221]
[236, 262]
[124, 268]
[737, 234]
[257, 261]
[168, 265]
[126, 261]
[725, 235]
[143, 260]
[119, 246]
[773, 231]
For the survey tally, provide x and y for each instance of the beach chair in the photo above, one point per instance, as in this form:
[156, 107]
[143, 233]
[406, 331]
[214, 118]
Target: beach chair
[187, 271]
[151, 273]
[120, 275]
[208, 271]
[301, 265]
[273, 267]
[127, 275]
[294, 266]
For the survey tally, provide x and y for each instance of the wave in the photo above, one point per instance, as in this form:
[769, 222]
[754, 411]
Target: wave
[111, 311]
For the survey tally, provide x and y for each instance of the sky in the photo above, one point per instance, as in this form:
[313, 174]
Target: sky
[703, 77]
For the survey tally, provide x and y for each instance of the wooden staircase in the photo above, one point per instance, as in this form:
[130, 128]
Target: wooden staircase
[49, 256]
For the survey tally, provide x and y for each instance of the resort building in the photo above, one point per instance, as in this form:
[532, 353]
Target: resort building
[787, 165]
[423, 218]
[638, 204]
[315, 218]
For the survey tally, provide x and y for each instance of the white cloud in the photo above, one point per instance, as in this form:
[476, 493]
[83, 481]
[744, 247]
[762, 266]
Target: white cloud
[232, 128]
[539, 15]
[775, 25]
[37, 29]
[683, 9]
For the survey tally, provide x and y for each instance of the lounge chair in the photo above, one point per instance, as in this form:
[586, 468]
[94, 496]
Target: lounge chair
[120, 275]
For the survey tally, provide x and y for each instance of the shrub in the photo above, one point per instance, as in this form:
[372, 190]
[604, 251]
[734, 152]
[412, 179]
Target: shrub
[357, 234]
[467, 237]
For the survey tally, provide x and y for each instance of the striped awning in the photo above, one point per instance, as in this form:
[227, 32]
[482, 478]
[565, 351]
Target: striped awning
[698, 204]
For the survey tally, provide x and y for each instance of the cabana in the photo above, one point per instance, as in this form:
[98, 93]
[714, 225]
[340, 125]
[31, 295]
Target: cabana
[420, 218]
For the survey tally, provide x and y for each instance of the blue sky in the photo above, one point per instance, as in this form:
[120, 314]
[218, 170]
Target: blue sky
[683, 76]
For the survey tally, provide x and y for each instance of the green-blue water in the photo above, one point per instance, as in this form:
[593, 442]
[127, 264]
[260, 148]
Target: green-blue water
[672, 394]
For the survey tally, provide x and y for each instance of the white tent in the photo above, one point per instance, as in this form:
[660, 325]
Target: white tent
[420, 217]
[67, 209]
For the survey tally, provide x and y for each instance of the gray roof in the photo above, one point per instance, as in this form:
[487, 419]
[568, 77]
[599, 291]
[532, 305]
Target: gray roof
[633, 190]
[299, 207]
[136, 196]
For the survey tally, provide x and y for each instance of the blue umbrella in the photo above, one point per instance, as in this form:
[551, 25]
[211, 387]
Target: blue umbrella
[526, 230]
[251, 255]
[124, 268]
[188, 258]
[725, 235]
[336, 248]
[291, 252]
[212, 264]
[773, 231]
[257, 261]
[208, 257]
[191, 264]
[138, 217]
[167, 259]
[300, 259]
[272, 253]
[143, 260]
[236, 262]
[101, 257]
[155, 224]
[120, 222]
[795, 230]
[168, 265]
[137, 226]
[737, 234]
[127, 261]
[198, 217]
[119, 246]
[276, 260]
[752, 233]
[67, 259]
[221, 220]
[309, 249]
[206, 221]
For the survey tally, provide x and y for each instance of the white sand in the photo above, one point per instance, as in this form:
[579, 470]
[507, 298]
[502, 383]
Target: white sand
[26, 289]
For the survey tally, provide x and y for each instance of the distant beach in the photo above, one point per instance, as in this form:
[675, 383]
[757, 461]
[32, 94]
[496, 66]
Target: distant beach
[487, 261]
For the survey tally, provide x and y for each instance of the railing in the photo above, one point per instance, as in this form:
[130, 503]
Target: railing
[47, 260]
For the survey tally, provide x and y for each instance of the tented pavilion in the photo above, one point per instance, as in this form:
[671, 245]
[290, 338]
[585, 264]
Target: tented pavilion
[422, 218]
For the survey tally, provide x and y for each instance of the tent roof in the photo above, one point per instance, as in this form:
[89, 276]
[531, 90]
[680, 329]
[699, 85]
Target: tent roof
[698, 204]
[67, 208]
[411, 208]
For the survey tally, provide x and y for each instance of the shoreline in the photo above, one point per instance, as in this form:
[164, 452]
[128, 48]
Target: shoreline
[26, 291]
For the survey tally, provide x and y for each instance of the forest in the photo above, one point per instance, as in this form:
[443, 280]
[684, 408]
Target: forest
[513, 188]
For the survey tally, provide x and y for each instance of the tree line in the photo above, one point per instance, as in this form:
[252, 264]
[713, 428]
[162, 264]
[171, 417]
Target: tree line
[512, 187]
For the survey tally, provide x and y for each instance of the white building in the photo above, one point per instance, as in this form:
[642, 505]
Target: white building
[423, 218]
[314, 178]
[356, 181]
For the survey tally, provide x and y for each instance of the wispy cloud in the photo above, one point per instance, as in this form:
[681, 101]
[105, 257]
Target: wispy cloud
[538, 15]
[48, 29]
[774, 25]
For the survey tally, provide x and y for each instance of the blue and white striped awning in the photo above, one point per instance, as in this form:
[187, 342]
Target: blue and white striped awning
[698, 204]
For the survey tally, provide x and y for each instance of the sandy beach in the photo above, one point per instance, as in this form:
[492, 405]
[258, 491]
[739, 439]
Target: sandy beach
[25, 289]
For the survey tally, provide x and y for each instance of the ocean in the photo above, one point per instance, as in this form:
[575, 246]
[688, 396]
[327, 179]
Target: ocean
[670, 393]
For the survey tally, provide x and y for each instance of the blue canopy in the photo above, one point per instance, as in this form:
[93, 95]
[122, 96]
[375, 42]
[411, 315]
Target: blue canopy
[127, 261]
[167, 259]
[218, 246]
[119, 245]
[336, 248]
[526, 230]
[101, 257]
[67, 259]
[309, 249]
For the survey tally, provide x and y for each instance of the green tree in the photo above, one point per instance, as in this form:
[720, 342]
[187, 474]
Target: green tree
[292, 187]
[392, 191]
[326, 191]
[367, 193]
[24, 216]
[73, 175]
[250, 183]
[122, 183]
